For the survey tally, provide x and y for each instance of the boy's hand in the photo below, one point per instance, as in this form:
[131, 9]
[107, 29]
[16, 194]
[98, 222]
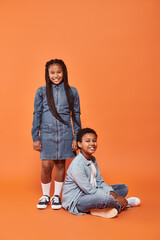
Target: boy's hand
[37, 146]
[122, 201]
[74, 146]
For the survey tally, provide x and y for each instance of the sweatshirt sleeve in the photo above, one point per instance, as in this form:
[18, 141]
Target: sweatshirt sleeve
[80, 177]
[77, 111]
[38, 107]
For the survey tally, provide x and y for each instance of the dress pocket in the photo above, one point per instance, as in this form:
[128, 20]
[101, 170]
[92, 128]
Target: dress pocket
[67, 132]
[49, 128]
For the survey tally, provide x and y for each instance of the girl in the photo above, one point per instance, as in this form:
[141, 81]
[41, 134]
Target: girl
[56, 104]
[84, 189]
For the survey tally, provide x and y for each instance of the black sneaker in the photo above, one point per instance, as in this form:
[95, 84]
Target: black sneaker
[56, 202]
[43, 202]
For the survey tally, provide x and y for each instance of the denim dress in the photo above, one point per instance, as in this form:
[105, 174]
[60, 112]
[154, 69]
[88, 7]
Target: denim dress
[56, 137]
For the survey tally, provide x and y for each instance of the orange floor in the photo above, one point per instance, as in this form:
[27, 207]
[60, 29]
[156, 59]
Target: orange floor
[21, 220]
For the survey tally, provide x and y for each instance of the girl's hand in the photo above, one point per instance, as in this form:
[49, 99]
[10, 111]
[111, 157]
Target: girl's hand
[37, 146]
[122, 201]
[74, 146]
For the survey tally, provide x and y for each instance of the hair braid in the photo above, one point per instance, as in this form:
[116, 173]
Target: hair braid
[49, 92]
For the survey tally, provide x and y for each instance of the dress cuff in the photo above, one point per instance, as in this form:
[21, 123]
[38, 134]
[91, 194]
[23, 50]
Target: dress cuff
[74, 138]
[36, 138]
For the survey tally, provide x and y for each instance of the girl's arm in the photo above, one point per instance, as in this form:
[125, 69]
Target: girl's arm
[76, 127]
[38, 103]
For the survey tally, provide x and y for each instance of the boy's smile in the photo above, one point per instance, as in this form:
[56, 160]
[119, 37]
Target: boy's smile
[88, 145]
[55, 73]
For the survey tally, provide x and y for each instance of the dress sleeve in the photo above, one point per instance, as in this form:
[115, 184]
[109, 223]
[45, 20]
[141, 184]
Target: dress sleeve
[100, 182]
[38, 107]
[77, 111]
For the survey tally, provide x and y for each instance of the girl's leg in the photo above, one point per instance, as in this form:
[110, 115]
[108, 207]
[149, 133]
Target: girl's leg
[59, 170]
[120, 189]
[98, 200]
[59, 176]
[46, 175]
[58, 183]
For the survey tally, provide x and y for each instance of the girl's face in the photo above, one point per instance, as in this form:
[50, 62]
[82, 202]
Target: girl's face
[55, 73]
[88, 145]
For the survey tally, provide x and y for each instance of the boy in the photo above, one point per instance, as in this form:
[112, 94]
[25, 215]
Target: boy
[85, 190]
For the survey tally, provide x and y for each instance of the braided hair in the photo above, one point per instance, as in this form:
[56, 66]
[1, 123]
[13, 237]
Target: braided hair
[49, 92]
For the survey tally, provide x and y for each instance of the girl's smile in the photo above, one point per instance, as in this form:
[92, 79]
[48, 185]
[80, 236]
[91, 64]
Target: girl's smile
[55, 73]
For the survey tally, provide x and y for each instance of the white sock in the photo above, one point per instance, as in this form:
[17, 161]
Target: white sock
[46, 188]
[57, 188]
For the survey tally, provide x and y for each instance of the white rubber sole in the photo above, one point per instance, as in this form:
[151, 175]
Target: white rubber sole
[105, 213]
[56, 207]
[42, 207]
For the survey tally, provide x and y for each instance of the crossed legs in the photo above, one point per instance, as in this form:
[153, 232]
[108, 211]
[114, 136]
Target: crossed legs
[102, 200]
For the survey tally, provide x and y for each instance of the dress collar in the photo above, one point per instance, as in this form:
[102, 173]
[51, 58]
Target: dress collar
[61, 85]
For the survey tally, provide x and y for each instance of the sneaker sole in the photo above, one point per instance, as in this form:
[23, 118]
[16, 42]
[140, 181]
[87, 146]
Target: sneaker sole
[56, 207]
[105, 213]
[41, 207]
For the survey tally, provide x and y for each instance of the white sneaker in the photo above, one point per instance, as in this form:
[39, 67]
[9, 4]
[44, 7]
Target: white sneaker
[133, 201]
[43, 202]
[105, 212]
[56, 202]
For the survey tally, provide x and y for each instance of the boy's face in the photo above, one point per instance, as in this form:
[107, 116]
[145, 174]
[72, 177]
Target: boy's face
[88, 145]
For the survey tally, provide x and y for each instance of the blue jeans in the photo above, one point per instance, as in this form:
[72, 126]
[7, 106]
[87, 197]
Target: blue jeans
[102, 200]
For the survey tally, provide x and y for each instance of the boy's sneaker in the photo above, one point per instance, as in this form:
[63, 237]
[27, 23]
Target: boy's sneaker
[56, 202]
[105, 212]
[133, 201]
[43, 202]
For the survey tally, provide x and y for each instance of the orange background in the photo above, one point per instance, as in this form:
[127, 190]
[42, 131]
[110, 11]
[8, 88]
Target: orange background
[111, 49]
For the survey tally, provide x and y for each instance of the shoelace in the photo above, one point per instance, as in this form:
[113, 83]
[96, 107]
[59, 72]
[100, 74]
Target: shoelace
[44, 198]
[55, 199]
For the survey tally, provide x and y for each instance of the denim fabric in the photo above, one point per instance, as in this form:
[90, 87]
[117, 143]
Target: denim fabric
[56, 138]
[77, 183]
[101, 200]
